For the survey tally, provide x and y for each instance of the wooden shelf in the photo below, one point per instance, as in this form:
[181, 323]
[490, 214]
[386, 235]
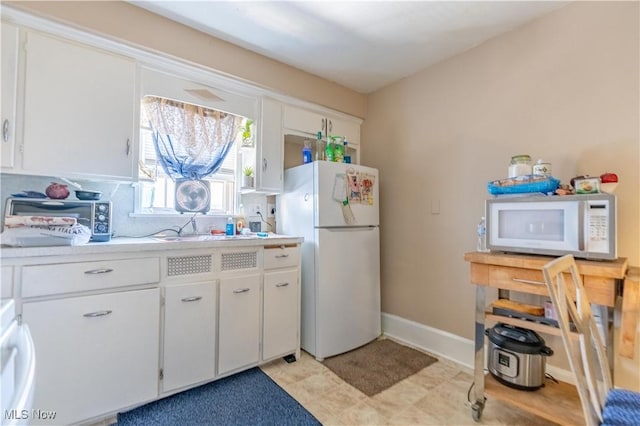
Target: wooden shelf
[531, 325]
[556, 402]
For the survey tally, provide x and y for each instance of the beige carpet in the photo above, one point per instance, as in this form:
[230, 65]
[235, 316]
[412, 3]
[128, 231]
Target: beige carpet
[378, 365]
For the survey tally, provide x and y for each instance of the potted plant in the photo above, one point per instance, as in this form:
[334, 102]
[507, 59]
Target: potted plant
[247, 135]
[247, 178]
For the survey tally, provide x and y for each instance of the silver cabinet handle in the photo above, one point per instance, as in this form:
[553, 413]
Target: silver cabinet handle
[192, 299]
[282, 284]
[97, 314]
[5, 130]
[128, 146]
[281, 255]
[264, 164]
[99, 271]
[322, 122]
[330, 126]
[520, 280]
[241, 290]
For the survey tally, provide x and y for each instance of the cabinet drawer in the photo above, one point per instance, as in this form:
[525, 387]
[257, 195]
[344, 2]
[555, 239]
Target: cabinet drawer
[42, 280]
[599, 290]
[281, 257]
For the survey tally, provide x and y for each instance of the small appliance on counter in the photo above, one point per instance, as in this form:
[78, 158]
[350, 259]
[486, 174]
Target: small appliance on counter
[517, 356]
[94, 215]
[581, 225]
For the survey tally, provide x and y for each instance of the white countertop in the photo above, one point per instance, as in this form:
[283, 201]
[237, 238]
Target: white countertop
[124, 244]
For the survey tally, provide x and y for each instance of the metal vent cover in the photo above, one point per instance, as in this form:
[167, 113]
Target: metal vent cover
[187, 265]
[244, 260]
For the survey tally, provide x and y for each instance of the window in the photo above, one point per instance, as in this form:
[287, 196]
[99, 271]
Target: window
[156, 191]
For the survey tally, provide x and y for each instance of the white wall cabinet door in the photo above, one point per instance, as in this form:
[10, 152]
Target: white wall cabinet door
[9, 90]
[95, 354]
[189, 334]
[281, 318]
[79, 110]
[239, 322]
[269, 157]
[310, 123]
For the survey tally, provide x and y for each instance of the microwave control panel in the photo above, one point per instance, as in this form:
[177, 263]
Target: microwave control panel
[598, 225]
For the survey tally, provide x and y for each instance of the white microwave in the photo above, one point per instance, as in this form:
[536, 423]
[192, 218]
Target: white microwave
[582, 225]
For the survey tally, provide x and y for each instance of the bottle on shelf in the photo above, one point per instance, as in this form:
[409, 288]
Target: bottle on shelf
[482, 236]
[329, 151]
[306, 152]
[320, 148]
[338, 150]
[346, 158]
[231, 227]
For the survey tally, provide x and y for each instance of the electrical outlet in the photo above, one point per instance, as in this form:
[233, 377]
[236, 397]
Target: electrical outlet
[256, 209]
[271, 210]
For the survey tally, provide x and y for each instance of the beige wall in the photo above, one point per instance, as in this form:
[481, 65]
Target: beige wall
[122, 21]
[563, 88]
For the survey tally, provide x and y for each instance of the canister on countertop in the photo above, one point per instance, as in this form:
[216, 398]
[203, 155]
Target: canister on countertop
[520, 166]
[542, 168]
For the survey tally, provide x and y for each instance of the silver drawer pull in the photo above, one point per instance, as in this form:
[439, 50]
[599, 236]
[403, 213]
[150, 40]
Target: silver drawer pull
[97, 314]
[192, 299]
[99, 271]
[282, 284]
[241, 290]
[520, 280]
[281, 255]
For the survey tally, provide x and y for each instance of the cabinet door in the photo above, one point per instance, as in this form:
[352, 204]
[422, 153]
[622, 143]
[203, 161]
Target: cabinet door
[345, 128]
[281, 316]
[9, 87]
[79, 110]
[95, 354]
[239, 326]
[189, 334]
[304, 121]
[270, 163]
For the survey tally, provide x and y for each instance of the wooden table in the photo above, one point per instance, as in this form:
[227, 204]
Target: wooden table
[603, 281]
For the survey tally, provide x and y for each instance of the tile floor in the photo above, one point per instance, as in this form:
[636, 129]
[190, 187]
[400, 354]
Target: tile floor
[436, 395]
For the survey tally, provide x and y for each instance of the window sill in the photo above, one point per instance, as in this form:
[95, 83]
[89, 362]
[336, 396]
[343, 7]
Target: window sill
[174, 215]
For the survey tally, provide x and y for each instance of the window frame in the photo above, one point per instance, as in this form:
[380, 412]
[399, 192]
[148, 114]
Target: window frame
[189, 88]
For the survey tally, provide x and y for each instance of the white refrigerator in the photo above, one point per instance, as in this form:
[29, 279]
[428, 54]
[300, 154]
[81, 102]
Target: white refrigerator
[335, 207]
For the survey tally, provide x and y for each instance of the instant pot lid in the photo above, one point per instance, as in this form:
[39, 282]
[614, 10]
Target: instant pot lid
[517, 339]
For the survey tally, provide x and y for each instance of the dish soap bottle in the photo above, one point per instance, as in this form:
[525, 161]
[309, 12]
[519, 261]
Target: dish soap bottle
[338, 150]
[231, 227]
[330, 149]
[306, 152]
[320, 148]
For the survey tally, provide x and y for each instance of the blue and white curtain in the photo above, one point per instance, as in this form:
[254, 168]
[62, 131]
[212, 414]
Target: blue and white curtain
[191, 142]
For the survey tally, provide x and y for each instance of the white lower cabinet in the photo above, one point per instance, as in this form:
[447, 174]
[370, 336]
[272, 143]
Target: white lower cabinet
[189, 334]
[281, 318]
[239, 327]
[95, 354]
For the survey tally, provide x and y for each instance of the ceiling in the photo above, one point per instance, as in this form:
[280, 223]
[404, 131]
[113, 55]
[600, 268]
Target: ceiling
[362, 45]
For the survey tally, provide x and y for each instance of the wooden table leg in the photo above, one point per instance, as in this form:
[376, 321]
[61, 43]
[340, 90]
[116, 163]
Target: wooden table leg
[630, 312]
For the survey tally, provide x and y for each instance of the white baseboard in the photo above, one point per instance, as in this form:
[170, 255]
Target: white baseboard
[444, 344]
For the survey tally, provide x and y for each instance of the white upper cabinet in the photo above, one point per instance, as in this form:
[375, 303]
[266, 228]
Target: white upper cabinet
[80, 110]
[310, 123]
[9, 87]
[269, 156]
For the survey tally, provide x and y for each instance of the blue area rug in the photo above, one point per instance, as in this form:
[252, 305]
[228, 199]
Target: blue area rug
[246, 398]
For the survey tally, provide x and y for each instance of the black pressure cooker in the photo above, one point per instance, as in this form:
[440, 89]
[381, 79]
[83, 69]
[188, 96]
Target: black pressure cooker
[517, 356]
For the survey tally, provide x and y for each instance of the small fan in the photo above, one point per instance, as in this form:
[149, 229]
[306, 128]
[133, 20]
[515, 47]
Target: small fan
[192, 196]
